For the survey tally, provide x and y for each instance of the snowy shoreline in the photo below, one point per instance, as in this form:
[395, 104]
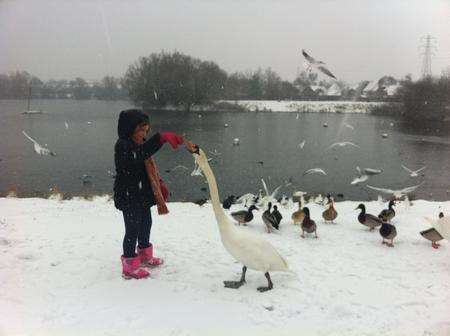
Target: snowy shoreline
[60, 275]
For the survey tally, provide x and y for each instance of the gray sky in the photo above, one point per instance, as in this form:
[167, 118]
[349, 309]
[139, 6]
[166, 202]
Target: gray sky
[358, 39]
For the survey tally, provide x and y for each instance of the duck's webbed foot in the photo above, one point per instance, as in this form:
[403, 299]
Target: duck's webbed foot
[270, 284]
[236, 284]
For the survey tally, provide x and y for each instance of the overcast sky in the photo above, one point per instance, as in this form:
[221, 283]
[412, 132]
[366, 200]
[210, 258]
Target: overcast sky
[358, 40]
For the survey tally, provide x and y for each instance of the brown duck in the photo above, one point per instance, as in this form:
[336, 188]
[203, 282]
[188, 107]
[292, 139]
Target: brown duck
[433, 235]
[387, 214]
[308, 225]
[297, 216]
[330, 214]
[368, 220]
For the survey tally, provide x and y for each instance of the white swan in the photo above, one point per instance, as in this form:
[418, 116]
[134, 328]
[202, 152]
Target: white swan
[246, 247]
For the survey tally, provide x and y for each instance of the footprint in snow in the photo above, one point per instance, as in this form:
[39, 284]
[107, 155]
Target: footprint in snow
[26, 256]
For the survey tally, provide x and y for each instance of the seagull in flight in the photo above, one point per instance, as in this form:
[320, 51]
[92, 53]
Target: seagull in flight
[38, 148]
[349, 126]
[413, 173]
[360, 178]
[317, 64]
[215, 152]
[314, 171]
[397, 193]
[343, 144]
[372, 171]
[302, 144]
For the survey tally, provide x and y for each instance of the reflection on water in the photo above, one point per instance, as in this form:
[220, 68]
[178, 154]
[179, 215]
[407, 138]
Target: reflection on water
[83, 133]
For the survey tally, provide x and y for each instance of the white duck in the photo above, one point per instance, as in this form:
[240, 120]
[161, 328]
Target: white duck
[246, 247]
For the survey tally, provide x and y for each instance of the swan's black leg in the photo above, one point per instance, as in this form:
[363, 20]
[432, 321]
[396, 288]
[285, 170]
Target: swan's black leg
[236, 284]
[269, 287]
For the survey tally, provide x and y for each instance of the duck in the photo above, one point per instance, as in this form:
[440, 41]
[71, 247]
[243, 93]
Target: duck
[248, 248]
[433, 235]
[201, 201]
[330, 214]
[268, 219]
[368, 220]
[278, 216]
[244, 216]
[308, 224]
[298, 216]
[387, 214]
[388, 232]
[228, 202]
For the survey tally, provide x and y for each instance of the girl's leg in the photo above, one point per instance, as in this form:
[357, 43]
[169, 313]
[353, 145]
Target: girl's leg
[131, 219]
[145, 227]
[145, 248]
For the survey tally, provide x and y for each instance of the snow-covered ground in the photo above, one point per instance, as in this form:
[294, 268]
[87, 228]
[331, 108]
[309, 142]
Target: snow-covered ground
[307, 106]
[60, 275]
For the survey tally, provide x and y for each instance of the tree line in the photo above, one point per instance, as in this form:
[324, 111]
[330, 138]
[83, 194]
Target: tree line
[181, 81]
[21, 85]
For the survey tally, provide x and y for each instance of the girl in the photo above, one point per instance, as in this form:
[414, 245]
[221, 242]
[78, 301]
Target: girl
[137, 187]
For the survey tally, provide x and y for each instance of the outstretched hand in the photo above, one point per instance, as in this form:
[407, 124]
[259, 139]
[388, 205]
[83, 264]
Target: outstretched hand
[172, 138]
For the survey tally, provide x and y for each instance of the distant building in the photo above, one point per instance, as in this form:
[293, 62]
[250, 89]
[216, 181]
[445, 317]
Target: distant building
[334, 91]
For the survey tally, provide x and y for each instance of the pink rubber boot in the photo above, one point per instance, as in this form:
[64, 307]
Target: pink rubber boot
[147, 258]
[131, 268]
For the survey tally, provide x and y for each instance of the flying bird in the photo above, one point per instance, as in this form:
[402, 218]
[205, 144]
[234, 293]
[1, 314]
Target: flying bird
[38, 148]
[343, 144]
[302, 144]
[360, 178]
[349, 126]
[66, 124]
[317, 64]
[413, 173]
[372, 171]
[397, 193]
[314, 171]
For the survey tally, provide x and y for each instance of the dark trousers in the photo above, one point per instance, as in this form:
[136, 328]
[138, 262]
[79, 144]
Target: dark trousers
[138, 223]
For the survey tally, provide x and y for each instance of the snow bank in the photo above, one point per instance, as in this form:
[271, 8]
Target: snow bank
[60, 275]
[308, 106]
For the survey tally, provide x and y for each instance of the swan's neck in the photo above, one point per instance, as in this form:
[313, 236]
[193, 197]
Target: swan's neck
[221, 218]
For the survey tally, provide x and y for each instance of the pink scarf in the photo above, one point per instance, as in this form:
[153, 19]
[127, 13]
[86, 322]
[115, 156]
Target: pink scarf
[160, 190]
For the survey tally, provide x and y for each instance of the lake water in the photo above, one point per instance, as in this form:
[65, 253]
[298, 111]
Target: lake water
[268, 149]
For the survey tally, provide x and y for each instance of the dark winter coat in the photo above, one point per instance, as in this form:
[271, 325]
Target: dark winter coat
[132, 187]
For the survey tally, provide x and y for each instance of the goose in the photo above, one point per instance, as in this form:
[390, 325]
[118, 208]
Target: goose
[388, 232]
[386, 215]
[244, 216]
[268, 219]
[249, 249]
[433, 235]
[308, 224]
[330, 214]
[298, 216]
[278, 216]
[368, 220]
